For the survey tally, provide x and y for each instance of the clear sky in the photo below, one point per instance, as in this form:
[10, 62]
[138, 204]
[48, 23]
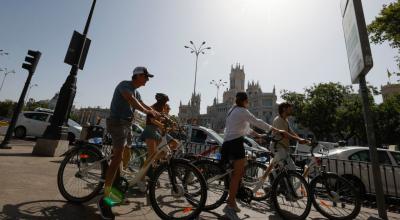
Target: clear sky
[287, 43]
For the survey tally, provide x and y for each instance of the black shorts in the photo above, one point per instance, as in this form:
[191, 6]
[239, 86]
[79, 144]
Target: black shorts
[233, 150]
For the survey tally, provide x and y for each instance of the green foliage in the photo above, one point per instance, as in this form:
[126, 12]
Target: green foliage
[387, 119]
[31, 105]
[74, 117]
[329, 110]
[6, 108]
[386, 27]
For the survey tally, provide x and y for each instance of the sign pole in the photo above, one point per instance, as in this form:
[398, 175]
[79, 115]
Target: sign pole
[360, 62]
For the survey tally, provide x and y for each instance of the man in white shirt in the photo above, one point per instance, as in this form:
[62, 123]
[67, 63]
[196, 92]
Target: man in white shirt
[237, 126]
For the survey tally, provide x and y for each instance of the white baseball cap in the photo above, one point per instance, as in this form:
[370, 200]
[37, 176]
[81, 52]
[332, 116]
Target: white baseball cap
[141, 70]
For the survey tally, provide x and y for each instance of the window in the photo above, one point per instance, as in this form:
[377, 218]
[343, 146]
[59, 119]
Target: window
[396, 156]
[198, 136]
[383, 157]
[267, 102]
[36, 116]
[362, 156]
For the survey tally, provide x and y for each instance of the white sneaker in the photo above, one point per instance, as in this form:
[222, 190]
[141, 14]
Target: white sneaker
[142, 186]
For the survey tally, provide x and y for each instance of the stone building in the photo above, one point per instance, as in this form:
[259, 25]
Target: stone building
[191, 110]
[262, 105]
[389, 90]
[91, 116]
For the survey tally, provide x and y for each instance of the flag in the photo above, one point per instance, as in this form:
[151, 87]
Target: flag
[389, 73]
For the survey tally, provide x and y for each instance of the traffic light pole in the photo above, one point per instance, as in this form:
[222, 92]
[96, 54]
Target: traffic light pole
[30, 64]
[17, 110]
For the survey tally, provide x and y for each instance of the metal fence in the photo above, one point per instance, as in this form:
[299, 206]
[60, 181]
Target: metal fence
[360, 175]
[204, 150]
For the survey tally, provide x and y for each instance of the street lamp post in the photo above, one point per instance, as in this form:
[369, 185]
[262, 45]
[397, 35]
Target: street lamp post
[197, 51]
[6, 72]
[54, 141]
[29, 89]
[218, 84]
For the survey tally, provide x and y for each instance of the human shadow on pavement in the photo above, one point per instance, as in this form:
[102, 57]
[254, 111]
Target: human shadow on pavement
[48, 209]
[17, 155]
[262, 207]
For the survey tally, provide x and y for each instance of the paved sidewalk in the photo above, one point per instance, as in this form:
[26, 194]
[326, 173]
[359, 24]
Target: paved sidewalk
[29, 191]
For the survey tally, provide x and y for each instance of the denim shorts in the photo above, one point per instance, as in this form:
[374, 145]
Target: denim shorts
[120, 131]
[151, 132]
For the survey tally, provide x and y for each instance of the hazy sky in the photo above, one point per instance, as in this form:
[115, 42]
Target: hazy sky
[291, 44]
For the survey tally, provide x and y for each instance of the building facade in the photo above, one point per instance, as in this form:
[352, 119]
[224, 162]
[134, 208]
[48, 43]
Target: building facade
[390, 90]
[262, 105]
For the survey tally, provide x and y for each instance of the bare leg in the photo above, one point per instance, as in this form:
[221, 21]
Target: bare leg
[237, 174]
[113, 168]
[126, 156]
[269, 168]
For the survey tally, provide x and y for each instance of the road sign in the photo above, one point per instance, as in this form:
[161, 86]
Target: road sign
[78, 41]
[356, 36]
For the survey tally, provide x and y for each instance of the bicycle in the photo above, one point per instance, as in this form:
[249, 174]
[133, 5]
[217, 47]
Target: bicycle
[181, 186]
[333, 196]
[289, 186]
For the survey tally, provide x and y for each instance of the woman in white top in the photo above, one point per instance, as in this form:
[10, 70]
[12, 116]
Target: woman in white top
[237, 126]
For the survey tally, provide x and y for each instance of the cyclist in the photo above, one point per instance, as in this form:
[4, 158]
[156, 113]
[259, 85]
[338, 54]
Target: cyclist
[152, 132]
[237, 126]
[125, 101]
[281, 148]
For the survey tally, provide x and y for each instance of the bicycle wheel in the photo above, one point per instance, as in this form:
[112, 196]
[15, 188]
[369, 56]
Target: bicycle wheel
[253, 172]
[171, 201]
[334, 197]
[291, 196]
[217, 188]
[81, 174]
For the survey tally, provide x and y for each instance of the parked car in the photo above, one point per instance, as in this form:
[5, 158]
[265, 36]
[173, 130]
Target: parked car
[262, 153]
[34, 123]
[353, 163]
[137, 130]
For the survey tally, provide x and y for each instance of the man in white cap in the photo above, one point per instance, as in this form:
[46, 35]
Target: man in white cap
[125, 101]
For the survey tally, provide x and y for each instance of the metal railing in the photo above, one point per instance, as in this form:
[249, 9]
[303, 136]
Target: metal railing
[360, 175]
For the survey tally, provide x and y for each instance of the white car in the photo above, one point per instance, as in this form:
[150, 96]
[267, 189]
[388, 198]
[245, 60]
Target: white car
[353, 163]
[34, 123]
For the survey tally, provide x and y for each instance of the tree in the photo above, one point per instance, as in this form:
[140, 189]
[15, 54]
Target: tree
[31, 105]
[387, 118]
[330, 110]
[386, 27]
[6, 108]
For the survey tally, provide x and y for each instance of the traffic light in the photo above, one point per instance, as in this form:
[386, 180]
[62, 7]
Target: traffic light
[32, 60]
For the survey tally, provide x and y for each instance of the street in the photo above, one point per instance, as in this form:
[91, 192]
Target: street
[29, 191]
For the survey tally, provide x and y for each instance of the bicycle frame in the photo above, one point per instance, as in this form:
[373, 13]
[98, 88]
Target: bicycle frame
[163, 148]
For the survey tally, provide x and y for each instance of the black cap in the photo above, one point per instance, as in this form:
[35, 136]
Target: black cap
[161, 97]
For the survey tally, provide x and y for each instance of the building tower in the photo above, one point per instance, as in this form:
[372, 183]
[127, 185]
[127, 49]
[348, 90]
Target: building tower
[237, 77]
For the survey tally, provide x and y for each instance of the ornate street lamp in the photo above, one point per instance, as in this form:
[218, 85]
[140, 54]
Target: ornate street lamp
[196, 51]
[29, 89]
[218, 84]
[6, 72]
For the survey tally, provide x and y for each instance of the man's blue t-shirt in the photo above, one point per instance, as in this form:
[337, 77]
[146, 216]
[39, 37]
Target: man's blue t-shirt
[120, 108]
